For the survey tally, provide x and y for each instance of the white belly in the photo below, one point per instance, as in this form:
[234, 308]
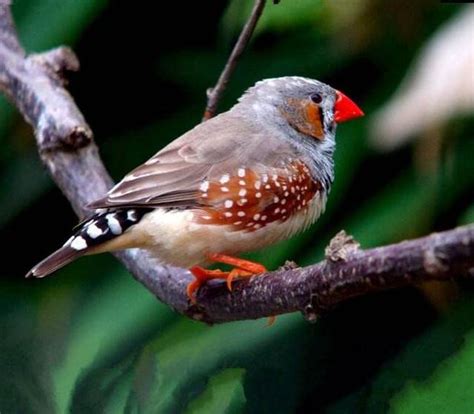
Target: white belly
[175, 238]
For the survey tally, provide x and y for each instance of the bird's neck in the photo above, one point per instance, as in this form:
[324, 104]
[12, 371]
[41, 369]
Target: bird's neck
[318, 153]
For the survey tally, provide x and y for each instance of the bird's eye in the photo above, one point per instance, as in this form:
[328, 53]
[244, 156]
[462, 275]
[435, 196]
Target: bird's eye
[316, 98]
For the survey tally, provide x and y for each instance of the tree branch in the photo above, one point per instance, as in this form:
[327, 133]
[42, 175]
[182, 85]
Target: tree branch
[35, 84]
[214, 94]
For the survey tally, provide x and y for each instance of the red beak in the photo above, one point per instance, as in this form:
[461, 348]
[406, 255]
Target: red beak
[345, 109]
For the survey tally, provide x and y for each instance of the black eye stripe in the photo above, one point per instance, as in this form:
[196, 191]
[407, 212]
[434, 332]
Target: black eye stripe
[321, 117]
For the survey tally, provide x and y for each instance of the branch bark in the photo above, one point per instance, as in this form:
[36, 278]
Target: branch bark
[214, 94]
[35, 84]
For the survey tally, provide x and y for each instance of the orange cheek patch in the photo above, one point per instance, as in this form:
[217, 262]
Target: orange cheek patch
[313, 117]
[248, 201]
[304, 116]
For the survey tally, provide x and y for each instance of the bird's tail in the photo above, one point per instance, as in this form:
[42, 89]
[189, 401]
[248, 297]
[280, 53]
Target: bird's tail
[88, 238]
[55, 261]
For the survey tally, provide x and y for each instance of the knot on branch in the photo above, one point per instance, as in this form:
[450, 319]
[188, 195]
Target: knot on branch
[341, 247]
[69, 136]
[56, 62]
[432, 263]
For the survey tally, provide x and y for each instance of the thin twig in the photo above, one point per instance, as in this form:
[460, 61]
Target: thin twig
[214, 94]
[35, 84]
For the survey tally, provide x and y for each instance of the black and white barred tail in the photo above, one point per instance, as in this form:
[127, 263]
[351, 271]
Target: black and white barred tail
[100, 228]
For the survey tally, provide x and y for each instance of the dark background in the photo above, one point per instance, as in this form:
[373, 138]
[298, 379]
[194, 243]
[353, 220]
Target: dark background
[90, 339]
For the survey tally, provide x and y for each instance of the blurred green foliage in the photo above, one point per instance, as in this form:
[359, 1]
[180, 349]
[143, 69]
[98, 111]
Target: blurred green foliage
[93, 340]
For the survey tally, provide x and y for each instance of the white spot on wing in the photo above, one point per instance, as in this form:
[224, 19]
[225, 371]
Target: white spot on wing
[132, 215]
[113, 223]
[93, 231]
[78, 243]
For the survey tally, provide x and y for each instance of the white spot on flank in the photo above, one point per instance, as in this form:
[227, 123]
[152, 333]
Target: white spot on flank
[264, 218]
[258, 195]
[241, 213]
[274, 177]
[283, 202]
[242, 192]
[224, 179]
[204, 186]
[228, 214]
[236, 223]
[256, 217]
[224, 189]
[93, 231]
[228, 203]
[78, 243]
[276, 211]
[206, 217]
[257, 185]
[265, 178]
[276, 199]
[241, 172]
[113, 223]
[286, 194]
[268, 186]
[242, 182]
[242, 201]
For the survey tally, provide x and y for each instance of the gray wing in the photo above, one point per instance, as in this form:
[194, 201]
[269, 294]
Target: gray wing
[172, 177]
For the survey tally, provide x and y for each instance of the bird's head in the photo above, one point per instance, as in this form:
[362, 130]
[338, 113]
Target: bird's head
[308, 106]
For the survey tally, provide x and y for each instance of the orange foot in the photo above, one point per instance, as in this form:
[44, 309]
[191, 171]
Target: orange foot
[243, 268]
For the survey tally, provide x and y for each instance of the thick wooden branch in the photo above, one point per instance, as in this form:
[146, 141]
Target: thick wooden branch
[215, 94]
[35, 84]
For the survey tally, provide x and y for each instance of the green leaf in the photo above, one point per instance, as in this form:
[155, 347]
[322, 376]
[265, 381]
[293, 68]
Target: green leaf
[275, 17]
[468, 216]
[46, 24]
[180, 360]
[24, 380]
[112, 316]
[22, 181]
[423, 372]
[224, 394]
[449, 390]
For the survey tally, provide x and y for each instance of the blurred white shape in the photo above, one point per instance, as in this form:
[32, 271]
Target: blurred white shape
[439, 86]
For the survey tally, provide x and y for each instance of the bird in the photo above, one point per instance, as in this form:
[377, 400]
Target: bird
[245, 179]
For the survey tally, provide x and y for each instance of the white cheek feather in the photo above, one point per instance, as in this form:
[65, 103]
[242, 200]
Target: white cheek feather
[173, 236]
